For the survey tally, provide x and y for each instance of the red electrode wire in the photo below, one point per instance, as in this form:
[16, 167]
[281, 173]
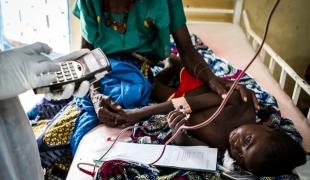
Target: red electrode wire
[219, 109]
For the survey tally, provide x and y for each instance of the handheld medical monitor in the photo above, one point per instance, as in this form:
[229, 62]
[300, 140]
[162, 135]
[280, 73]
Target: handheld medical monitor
[83, 68]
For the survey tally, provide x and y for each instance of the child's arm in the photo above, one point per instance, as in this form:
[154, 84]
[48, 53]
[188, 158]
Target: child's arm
[105, 108]
[196, 103]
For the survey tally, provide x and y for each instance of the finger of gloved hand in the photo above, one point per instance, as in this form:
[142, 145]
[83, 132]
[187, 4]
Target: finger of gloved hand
[46, 66]
[83, 89]
[38, 48]
[68, 91]
[73, 55]
[39, 58]
[48, 96]
[42, 80]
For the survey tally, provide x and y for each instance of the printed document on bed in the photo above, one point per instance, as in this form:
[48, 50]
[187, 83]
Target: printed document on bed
[184, 157]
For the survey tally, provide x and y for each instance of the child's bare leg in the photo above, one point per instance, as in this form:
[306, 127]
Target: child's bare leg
[161, 91]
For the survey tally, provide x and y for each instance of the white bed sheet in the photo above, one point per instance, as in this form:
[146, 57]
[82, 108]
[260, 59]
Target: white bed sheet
[228, 41]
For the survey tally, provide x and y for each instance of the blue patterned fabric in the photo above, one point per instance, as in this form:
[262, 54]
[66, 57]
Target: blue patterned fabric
[86, 121]
[65, 130]
[53, 141]
[46, 109]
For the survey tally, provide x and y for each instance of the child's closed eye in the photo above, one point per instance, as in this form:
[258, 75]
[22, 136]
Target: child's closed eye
[247, 140]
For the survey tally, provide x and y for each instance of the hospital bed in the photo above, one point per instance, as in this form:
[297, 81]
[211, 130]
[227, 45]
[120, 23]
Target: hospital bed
[237, 44]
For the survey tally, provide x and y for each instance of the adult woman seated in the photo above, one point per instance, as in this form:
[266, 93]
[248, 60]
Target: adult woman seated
[127, 29]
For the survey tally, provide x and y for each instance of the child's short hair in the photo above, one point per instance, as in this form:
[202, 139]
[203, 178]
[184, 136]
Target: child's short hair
[282, 155]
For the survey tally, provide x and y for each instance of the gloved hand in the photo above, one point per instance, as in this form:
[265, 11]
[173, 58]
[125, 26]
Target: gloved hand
[69, 89]
[21, 69]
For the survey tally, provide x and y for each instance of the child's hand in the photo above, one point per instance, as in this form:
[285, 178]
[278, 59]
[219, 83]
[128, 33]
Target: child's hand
[110, 118]
[107, 111]
[176, 119]
[117, 117]
[126, 117]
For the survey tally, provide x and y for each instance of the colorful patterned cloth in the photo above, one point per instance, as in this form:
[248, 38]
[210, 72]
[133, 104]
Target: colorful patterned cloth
[120, 170]
[156, 129]
[59, 137]
[268, 105]
[63, 133]
[46, 109]
[53, 142]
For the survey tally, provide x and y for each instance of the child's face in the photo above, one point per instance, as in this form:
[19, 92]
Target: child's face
[248, 144]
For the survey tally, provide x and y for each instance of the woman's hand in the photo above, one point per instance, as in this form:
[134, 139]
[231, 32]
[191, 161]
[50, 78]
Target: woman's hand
[197, 66]
[220, 86]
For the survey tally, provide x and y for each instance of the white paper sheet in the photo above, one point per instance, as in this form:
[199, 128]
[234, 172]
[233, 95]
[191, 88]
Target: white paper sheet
[185, 157]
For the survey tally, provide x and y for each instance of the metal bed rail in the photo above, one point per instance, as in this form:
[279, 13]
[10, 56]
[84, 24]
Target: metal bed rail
[275, 59]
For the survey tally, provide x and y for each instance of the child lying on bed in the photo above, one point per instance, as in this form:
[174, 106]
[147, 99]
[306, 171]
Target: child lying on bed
[261, 149]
